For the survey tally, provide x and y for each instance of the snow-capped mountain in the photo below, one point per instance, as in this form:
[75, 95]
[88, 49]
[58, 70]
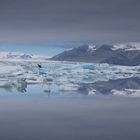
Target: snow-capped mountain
[127, 46]
[120, 54]
[16, 55]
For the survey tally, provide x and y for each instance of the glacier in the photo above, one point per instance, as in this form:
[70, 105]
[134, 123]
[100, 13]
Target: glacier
[60, 77]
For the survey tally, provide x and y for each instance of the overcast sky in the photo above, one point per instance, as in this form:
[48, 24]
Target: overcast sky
[39, 21]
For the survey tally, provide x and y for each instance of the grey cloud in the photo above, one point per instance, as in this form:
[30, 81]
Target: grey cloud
[44, 20]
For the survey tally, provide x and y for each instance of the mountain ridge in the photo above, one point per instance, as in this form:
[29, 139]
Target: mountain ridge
[111, 54]
[18, 55]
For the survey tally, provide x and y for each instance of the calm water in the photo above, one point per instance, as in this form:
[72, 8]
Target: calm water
[35, 115]
[28, 112]
[99, 118]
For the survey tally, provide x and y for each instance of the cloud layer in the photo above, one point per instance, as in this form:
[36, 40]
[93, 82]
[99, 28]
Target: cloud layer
[72, 20]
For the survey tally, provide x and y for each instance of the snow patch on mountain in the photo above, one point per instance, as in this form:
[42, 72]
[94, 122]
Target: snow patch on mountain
[92, 47]
[127, 46]
[124, 46]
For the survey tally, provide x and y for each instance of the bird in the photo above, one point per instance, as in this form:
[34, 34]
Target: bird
[39, 65]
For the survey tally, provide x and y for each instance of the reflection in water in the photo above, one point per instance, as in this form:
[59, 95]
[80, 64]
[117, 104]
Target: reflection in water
[99, 118]
[119, 86]
[68, 78]
[20, 85]
[125, 86]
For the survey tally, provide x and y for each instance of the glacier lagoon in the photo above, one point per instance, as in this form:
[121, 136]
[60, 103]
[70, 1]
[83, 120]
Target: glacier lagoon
[68, 101]
[66, 78]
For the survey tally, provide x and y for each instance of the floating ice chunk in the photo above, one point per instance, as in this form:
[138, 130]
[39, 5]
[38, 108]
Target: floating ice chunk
[67, 75]
[90, 67]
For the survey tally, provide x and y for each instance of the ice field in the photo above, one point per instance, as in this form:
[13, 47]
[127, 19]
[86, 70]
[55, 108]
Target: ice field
[61, 77]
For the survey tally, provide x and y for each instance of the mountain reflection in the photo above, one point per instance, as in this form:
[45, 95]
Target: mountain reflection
[125, 86]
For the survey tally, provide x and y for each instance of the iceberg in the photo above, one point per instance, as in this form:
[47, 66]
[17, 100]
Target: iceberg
[66, 76]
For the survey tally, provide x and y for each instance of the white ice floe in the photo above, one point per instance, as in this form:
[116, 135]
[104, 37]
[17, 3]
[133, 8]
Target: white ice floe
[10, 69]
[67, 75]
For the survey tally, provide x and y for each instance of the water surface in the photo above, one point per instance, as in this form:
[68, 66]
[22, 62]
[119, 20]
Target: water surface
[100, 118]
[84, 102]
